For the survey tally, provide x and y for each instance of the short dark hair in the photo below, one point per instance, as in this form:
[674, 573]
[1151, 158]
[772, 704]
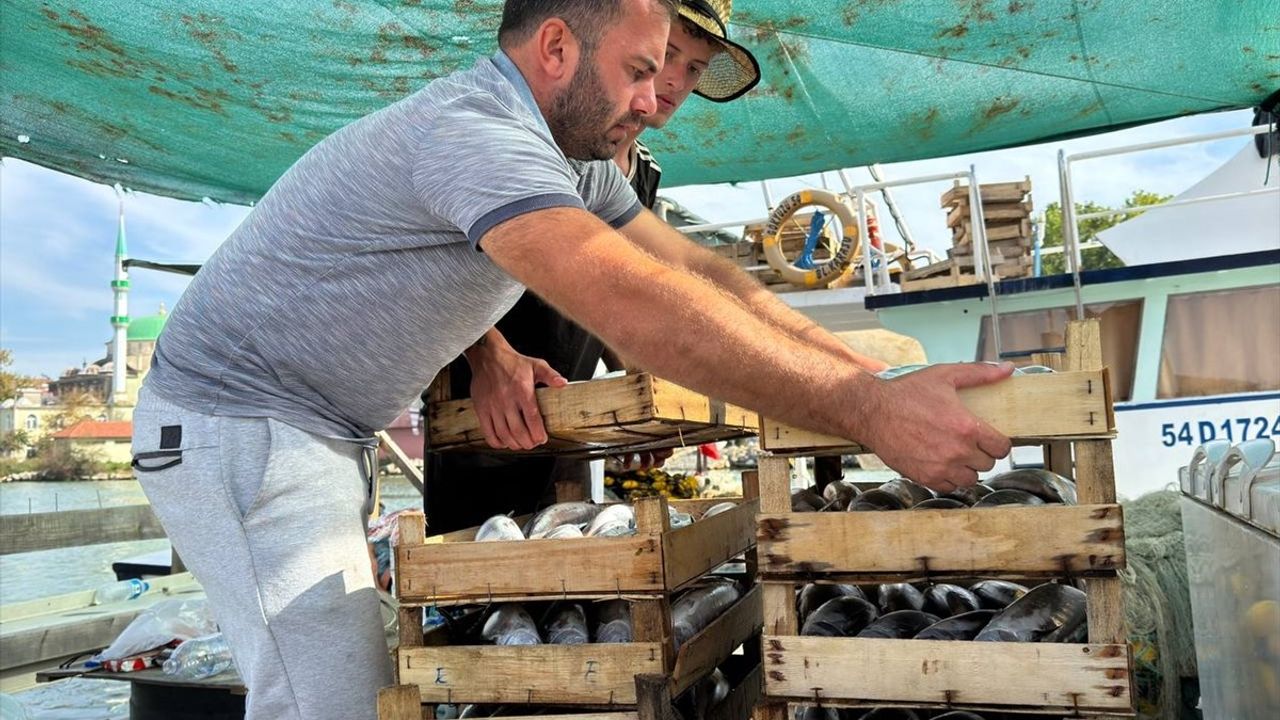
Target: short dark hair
[587, 19]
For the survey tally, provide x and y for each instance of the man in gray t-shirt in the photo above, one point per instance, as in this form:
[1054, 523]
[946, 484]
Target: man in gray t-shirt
[395, 244]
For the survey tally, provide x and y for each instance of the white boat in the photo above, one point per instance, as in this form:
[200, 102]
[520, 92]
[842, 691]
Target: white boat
[1191, 330]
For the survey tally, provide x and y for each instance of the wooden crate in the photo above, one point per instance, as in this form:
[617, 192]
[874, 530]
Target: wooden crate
[963, 232]
[629, 413]
[453, 569]
[1006, 192]
[653, 698]
[645, 570]
[593, 674]
[991, 211]
[1028, 408]
[1085, 541]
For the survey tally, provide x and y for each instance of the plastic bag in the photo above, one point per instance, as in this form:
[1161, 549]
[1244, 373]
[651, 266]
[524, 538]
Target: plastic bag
[160, 625]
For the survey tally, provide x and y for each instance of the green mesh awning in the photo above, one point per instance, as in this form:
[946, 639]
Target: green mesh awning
[217, 97]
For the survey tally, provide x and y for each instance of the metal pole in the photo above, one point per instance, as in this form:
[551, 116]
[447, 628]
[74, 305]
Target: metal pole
[867, 275]
[709, 227]
[768, 199]
[1070, 240]
[1038, 244]
[908, 242]
[980, 236]
[1157, 144]
[1178, 203]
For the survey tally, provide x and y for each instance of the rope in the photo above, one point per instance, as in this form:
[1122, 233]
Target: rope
[1158, 603]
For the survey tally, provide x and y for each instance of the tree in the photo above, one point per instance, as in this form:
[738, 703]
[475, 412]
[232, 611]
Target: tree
[1092, 258]
[10, 382]
[14, 441]
[74, 407]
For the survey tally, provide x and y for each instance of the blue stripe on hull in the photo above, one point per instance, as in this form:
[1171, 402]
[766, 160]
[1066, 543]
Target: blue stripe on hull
[1188, 402]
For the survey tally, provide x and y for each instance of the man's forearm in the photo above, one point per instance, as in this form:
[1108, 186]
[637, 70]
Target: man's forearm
[757, 299]
[683, 328]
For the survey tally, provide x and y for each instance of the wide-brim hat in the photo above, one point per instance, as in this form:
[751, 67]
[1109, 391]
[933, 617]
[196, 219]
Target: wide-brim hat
[731, 73]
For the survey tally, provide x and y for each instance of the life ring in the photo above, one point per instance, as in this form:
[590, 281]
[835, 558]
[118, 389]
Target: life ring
[820, 274]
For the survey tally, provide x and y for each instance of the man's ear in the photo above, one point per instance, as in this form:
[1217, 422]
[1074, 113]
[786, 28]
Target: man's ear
[557, 50]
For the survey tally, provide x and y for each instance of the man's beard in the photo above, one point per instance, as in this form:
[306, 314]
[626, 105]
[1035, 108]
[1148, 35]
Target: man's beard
[579, 117]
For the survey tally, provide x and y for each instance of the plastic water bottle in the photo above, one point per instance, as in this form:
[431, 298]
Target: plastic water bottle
[118, 591]
[200, 657]
[12, 709]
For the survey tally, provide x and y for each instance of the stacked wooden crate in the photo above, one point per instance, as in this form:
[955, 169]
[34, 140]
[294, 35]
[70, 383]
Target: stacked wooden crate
[1069, 414]
[647, 569]
[1006, 212]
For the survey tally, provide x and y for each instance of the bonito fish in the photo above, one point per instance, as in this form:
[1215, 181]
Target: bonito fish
[499, 527]
[612, 521]
[694, 610]
[568, 626]
[510, 624]
[566, 513]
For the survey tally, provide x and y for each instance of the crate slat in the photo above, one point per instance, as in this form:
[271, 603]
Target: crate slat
[600, 674]
[990, 192]
[690, 552]
[452, 569]
[1027, 408]
[579, 567]
[854, 671]
[612, 412]
[703, 652]
[1014, 542]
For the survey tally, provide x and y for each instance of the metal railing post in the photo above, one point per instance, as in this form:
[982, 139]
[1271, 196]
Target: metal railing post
[979, 238]
[1070, 237]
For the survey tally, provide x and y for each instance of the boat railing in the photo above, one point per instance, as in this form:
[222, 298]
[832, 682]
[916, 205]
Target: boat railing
[1071, 220]
[875, 260]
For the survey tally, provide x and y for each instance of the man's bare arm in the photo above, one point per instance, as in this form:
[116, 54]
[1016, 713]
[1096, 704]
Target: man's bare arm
[687, 330]
[673, 248]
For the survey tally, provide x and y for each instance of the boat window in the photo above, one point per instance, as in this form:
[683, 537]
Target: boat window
[1036, 331]
[1221, 342]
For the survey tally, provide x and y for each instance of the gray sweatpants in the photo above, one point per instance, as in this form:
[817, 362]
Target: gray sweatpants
[269, 519]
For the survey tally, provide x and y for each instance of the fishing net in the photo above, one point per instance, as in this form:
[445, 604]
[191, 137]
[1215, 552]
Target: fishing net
[218, 97]
[1158, 603]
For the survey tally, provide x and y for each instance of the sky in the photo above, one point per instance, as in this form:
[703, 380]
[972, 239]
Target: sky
[57, 232]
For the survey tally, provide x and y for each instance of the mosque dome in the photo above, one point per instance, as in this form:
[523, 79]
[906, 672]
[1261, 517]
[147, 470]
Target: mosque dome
[147, 327]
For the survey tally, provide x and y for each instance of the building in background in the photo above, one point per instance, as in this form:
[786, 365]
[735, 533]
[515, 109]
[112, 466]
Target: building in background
[105, 441]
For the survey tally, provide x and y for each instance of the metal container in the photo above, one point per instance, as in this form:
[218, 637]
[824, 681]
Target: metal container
[1231, 524]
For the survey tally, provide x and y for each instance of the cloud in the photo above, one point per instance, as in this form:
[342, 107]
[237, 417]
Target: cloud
[57, 238]
[57, 232]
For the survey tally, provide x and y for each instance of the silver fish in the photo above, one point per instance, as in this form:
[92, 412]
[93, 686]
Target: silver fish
[566, 513]
[717, 509]
[565, 531]
[1049, 612]
[613, 622]
[511, 624]
[612, 521]
[697, 608]
[499, 527]
[568, 626]
[678, 519]
[709, 692]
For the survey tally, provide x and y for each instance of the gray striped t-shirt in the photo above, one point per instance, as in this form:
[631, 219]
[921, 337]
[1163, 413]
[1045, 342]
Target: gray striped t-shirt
[357, 278]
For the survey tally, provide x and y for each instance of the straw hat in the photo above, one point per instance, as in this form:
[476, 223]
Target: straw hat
[732, 72]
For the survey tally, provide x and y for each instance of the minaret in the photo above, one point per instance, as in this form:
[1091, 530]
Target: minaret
[120, 320]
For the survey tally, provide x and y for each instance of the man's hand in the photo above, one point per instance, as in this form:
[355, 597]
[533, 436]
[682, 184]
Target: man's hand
[502, 384]
[918, 426]
[644, 460]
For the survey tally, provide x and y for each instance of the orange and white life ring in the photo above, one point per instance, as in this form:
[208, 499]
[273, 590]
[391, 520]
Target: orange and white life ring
[822, 274]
